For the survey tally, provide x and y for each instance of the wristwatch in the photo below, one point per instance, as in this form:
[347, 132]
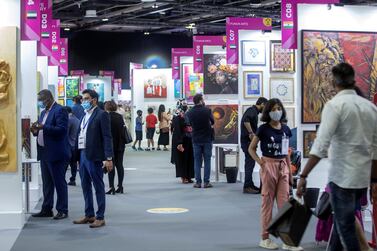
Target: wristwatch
[109, 159]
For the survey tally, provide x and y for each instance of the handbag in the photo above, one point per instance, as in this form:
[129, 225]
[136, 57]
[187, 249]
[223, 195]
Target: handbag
[291, 222]
[323, 209]
[164, 130]
[127, 135]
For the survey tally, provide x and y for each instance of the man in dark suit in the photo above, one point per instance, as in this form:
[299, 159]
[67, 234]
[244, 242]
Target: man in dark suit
[53, 152]
[96, 149]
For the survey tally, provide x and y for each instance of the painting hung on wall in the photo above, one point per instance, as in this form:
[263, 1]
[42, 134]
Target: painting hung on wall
[69, 102]
[283, 89]
[193, 86]
[61, 91]
[177, 88]
[72, 87]
[253, 52]
[321, 51]
[61, 101]
[155, 85]
[99, 88]
[309, 137]
[225, 127]
[219, 78]
[281, 60]
[253, 84]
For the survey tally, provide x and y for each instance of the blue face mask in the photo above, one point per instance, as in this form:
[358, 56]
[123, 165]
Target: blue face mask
[86, 105]
[41, 105]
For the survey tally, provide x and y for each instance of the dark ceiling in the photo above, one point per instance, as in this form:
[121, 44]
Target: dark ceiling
[166, 16]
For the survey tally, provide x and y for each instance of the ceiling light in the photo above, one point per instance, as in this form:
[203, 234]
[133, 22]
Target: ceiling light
[105, 19]
[146, 33]
[67, 29]
[148, 1]
[155, 6]
[91, 13]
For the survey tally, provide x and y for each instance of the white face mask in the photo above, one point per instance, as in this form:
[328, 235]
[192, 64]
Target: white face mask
[276, 115]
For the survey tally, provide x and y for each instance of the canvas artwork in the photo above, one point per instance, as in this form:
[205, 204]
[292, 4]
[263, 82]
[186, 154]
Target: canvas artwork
[219, 77]
[61, 101]
[72, 87]
[177, 88]
[253, 52]
[69, 102]
[61, 89]
[225, 127]
[99, 88]
[253, 84]
[281, 60]
[8, 103]
[155, 85]
[193, 86]
[309, 137]
[321, 51]
[283, 89]
[291, 117]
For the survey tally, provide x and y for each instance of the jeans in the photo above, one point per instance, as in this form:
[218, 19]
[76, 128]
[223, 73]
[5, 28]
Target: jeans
[118, 165]
[249, 166]
[92, 172]
[202, 150]
[343, 202]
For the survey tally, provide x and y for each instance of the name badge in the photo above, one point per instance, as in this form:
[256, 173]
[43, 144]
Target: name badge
[81, 141]
[284, 145]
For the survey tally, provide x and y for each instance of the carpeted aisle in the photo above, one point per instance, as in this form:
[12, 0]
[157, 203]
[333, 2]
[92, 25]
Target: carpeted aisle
[221, 218]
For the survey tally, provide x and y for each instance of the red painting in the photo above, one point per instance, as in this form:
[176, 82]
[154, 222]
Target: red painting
[155, 86]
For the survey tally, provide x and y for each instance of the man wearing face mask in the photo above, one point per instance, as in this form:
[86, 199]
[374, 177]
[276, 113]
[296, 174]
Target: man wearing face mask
[96, 150]
[201, 121]
[348, 125]
[52, 138]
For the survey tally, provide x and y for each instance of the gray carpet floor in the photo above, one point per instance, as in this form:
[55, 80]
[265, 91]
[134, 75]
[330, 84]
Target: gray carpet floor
[221, 218]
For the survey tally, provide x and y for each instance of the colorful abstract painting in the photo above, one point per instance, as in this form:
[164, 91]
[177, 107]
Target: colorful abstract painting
[281, 60]
[61, 101]
[225, 127]
[72, 87]
[193, 86]
[253, 84]
[177, 88]
[219, 77]
[61, 89]
[99, 88]
[155, 85]
[321, 50]
[309, 137]
[283, 89]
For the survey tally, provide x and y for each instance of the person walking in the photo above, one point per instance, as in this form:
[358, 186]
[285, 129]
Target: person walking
[119, 145]
[182, 152]
[201, 121]
[73, 128]
[96, 151]
[151, 121]
[249, 126]
[164, 119]
[53, 151]
[348, 125]
[275, 169]
[77, 109]
[138, 130]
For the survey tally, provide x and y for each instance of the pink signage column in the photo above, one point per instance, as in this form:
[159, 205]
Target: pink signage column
[199, 42]
[55, 43]
[234, 25]
[30, 20]
[63, 62]
[44, 47]
[176, 54]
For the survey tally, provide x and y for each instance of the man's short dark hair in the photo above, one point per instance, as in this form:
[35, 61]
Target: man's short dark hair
[261, 101]
[45, 94]
[92, 93]
[197, 98]
[77, 99]
[150, 110]
[344, 75]
[68, 108]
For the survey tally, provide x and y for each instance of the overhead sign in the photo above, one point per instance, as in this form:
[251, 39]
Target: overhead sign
[176, 54]
[199, 42]
[30, 20]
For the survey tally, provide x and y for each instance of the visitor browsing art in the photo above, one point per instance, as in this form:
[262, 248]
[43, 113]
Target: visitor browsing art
[225, 127]
[321, 50]
[281, 60]
[155, 85]
[219, 78]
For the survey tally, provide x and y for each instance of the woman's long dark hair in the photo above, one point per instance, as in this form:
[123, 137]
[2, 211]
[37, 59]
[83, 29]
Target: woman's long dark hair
[268, 108]
[161, 109]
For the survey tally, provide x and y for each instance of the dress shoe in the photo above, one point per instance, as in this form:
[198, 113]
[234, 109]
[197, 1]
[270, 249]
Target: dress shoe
[97, 223]
[111, 191]
[43, 214]
[207, 185]
[119, 190]
[85, 220]
[250, 190]
[60, 216]
[197, 185]
[71, 183]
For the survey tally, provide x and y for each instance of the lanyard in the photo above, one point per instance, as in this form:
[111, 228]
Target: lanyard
[85, 123]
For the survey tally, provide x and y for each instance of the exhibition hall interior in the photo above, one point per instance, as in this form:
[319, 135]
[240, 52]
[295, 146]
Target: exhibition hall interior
[175, 91]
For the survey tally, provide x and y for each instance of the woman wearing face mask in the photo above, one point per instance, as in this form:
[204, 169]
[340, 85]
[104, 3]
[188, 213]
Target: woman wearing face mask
[275, 173]
[182, 151]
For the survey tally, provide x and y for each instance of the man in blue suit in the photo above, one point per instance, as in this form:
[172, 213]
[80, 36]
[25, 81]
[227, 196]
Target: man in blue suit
[95, 144]
[53, 153]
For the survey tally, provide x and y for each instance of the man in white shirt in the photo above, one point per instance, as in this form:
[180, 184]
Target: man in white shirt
[348, 124]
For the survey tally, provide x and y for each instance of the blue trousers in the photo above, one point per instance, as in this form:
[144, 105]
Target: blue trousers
[202, 150]
[53, 177]
[91, 172]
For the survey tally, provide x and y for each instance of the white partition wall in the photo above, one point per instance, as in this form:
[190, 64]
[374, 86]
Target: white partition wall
[53, 78]
[42, 67]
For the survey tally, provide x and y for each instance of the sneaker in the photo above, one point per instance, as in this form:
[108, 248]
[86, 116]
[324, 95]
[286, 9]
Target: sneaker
[197, 185]
[268, 244]
[286, 247]
[153, 148]
[133, 147]
[140, 149]
[207, 185]
[147, 149]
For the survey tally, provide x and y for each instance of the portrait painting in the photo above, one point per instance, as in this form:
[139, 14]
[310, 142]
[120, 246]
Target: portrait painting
[253, 84]
[309, 137]
[72, 86]
[155, 85]
[281, 60]
[226, 123]
[219, 77]
[321, 50]
[99, 88]
[283, 89]
[253, 52]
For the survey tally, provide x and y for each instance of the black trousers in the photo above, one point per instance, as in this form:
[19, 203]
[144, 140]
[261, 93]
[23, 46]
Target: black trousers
[118, 165]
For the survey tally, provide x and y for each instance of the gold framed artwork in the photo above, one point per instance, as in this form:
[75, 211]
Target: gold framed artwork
[252, 84]
[8, 104]
[283, 89]
[281, 60]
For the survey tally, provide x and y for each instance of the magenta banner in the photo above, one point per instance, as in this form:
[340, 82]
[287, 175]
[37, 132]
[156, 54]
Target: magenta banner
[234, 25]
[63, 61]
[30, 20]
[318, 1]
[199, 42]
[118, 82]
[54, 59]
[176, 54]
[109, 74]
[44, 45]
[132, 67]
[289, 24]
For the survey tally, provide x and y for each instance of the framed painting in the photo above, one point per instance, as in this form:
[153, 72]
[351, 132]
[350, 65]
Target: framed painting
[253, 52]
[155, 85]
[226, 123]
[281, 60]
[69, 102]
[309, 137]
[193, 86]
[177, 88]
[291, 116]
[321, 50]
[61, 101]
[253, 84]
[72, 86]
[61, 89]
[283, 89]
[99, 88]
